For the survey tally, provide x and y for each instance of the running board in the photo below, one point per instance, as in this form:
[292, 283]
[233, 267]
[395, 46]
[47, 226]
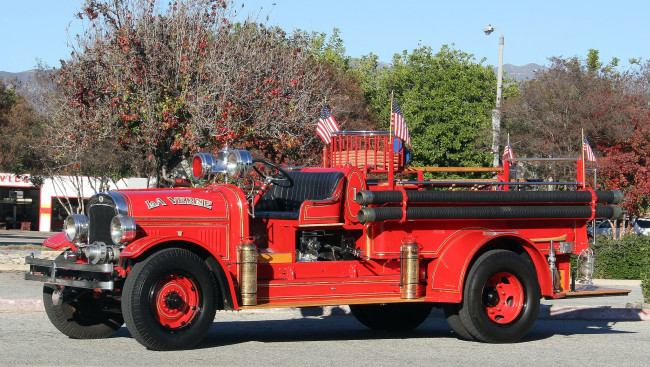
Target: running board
[589, 290]
[330, 302]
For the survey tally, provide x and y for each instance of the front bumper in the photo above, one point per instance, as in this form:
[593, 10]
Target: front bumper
[70, 273]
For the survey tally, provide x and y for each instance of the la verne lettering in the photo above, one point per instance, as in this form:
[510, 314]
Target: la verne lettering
[180, 200]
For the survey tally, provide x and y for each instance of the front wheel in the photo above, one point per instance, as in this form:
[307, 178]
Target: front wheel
[500, 298]
[392, 316]
[86, 315]
[169, 300]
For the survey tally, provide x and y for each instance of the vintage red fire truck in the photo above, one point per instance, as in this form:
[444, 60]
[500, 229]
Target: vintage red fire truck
[363, 230]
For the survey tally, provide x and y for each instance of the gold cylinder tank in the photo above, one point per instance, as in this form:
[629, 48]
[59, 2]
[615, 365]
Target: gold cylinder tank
[247, 271]
[410, 269]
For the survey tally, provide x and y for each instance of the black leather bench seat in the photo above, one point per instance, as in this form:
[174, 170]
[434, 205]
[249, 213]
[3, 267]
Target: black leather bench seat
[284, 203]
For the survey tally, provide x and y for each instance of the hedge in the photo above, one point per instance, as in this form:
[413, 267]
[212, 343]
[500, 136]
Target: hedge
[627, 258]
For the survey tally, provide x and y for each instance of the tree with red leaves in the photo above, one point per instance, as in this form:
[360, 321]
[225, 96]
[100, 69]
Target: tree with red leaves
[626, 164]
[154, 84]
[546, 118]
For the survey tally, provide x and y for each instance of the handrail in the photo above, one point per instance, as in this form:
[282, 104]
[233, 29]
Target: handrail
[455, 169]
[541, 159]
[487, 183]
[361, 133]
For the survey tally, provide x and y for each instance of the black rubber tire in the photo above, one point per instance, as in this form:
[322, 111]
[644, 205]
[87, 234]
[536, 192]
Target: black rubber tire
[85, 317]
[453, 319]
[473, 312]
[139, 300]
[392, 316]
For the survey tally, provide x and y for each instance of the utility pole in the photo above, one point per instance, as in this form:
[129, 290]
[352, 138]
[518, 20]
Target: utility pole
[496, 112]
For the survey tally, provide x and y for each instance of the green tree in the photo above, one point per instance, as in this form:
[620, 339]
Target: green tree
[19, 128]
[446, 98]
[324, 49]
[7, 98]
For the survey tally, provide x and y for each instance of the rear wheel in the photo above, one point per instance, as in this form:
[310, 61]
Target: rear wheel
[87, 315]
[453, 319]
[500, 298]
[169, 300]
[392, 316]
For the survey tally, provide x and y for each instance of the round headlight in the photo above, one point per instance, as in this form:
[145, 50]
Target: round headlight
[76, 228]
[122, 229]
[238, 163]
[203, 165]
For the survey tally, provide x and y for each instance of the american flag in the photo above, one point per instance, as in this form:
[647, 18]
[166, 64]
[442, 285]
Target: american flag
[507, 151]
[326, 125]
[589, 153]
[398, 124]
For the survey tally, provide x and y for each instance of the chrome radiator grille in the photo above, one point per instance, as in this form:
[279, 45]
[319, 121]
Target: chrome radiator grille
[99, 222]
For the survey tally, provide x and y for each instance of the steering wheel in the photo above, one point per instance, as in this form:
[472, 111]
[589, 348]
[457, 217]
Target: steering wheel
[282, 180]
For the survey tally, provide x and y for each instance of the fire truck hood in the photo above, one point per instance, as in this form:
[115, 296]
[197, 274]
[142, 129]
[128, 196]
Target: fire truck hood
[205, 203]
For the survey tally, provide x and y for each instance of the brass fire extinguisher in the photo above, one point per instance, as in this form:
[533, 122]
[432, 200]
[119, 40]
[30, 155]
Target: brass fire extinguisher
[247, 271]
[410, 269]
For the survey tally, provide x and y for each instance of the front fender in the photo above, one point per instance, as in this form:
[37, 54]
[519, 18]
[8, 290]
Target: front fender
[448, 272]
[138, 247]
[58, 242]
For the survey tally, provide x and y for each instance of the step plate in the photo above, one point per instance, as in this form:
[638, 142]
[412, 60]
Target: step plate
[588, 290]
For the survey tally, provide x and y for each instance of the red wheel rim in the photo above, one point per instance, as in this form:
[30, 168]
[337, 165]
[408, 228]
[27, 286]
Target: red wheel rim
[176, 300]
[503, 297]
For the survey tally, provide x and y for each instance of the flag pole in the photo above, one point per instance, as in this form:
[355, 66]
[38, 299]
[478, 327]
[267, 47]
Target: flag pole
[508, 142]
[582, 144]
[506, 164]
[584, 164]
[390, 120]
[391, 151]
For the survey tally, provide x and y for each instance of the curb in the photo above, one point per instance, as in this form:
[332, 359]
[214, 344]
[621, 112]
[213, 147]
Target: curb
[18, 256]
[552, 313]
[594, 313]
[12, 267]
[614, 282]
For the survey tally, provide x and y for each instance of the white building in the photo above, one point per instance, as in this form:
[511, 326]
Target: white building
[37, 208]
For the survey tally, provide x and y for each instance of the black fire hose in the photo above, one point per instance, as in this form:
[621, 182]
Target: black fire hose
[367, 215]
[493, 197]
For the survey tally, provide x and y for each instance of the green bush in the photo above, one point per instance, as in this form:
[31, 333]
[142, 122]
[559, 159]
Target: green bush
[645, 288]
[627, 258]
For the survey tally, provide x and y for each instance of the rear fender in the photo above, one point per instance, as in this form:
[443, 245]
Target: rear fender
[448, 272]
[138, 248]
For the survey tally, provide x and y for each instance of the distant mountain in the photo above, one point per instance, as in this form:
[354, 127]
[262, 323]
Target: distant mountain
[23, 77]
[521, 73]
[27, 86]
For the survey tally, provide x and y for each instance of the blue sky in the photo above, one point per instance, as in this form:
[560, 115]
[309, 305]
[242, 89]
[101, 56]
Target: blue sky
[533, 31]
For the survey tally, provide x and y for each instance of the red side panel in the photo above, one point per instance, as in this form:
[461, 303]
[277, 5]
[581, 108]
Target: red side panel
[355, 184]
